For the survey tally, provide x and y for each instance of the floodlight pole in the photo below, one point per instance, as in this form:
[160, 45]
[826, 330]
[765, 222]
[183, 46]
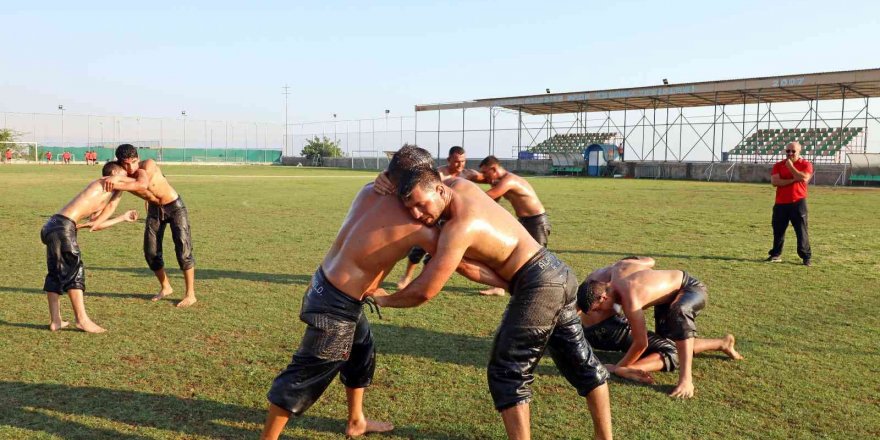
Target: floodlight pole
[286, 93]
[61, 107]
[183, 113]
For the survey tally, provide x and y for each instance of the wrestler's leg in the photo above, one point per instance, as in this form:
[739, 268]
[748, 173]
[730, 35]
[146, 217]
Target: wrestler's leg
[276, 420]
[727, 344]
[517, 422]
[55, 321]
[358, 424]
[83, 322]
[685, 387]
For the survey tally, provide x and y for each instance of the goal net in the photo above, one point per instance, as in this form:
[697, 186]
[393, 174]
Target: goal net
[19, 150]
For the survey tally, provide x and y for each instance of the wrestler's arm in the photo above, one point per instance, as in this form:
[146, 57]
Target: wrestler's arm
[105, 213]
[480, 273]
[602, 275]
[453, 243]
[644, 261]
[636, 317]
[116, 183]
[470, 269]
[499, 189]
[474, 176]
[129, 216]
[102, 223]
[383, 186]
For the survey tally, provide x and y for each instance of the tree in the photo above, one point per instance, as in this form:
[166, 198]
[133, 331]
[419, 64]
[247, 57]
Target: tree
[321, 147]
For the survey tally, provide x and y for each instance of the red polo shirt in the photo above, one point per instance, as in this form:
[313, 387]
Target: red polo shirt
[796, 191]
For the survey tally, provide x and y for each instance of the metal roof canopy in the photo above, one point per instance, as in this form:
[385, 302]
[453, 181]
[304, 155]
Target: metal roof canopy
[788, 88]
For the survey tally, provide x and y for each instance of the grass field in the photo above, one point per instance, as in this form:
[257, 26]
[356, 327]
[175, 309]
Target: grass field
[810, 335]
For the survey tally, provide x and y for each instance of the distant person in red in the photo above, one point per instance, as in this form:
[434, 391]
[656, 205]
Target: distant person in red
[49, 156]
[65, 157]
[87, 156]
[94, 157]
[8, 155]
[790, 177]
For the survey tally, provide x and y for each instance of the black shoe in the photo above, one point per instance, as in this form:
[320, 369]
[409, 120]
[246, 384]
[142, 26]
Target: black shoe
[774, 259]
[808, 263]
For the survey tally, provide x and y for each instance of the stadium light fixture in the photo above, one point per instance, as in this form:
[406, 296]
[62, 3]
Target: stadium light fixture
[665, 82]
[548, 90]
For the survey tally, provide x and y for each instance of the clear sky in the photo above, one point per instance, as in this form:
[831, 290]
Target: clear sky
[228, 61]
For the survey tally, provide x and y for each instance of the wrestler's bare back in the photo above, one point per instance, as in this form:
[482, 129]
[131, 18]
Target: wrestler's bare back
[376, 234]
[90, 200]
[648, 287]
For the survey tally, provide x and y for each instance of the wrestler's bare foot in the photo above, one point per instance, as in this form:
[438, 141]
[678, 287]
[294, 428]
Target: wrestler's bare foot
[495, 291]
[366, 426]
[187, 301]
[635, 375]
[684, 390]
[162, 293]
[729, 348]
[403, 283]
[90, 327]
[58, 326]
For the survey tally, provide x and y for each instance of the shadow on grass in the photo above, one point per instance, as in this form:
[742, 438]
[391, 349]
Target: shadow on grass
[465, 350]
[617, 255]
[24, 325]
[88, 293]
[220, 274]
[49, 408]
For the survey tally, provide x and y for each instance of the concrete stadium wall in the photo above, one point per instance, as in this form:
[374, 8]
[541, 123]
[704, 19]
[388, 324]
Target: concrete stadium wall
[824, 174]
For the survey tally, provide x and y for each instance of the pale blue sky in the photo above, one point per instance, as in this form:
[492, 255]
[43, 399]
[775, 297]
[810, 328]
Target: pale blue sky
[226, 61]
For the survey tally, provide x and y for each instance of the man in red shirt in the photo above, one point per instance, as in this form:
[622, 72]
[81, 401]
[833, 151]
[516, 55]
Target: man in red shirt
[65, 157]
[790, 178]
[49, 157]
[8, 155]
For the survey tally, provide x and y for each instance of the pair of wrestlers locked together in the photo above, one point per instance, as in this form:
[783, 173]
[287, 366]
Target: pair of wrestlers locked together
[97, 202]
[480, 240]
[516, 190]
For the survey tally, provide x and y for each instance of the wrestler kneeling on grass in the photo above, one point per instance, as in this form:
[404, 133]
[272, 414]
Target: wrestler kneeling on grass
[677, 299]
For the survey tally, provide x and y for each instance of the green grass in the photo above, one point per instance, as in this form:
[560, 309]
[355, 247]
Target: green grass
[809, 334]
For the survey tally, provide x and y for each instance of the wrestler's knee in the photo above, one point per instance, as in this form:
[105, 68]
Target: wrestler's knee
[154, 260]
[508, 387]
[360, 367]
[186, 260]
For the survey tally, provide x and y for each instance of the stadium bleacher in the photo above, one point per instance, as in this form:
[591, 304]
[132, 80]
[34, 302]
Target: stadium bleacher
[571, 142]
[817, 143]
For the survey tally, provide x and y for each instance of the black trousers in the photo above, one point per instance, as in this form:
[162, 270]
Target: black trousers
[175, 215]
[796, 214]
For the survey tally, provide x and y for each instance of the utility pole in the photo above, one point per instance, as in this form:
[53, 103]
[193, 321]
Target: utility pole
[286, 93]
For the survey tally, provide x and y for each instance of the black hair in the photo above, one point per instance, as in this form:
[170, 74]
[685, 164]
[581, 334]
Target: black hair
[588, 293]
[408, 158]
[489, 161]
[126, 151]
[110, 167]
[422, 177]
[456, 150]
